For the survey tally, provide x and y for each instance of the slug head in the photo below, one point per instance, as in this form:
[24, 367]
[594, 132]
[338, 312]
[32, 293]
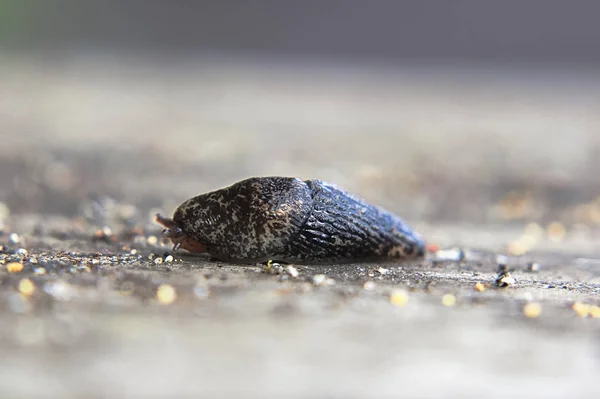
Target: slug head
[177, 236]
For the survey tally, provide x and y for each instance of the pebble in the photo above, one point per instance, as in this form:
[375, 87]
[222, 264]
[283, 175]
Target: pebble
[449, 300]
[322, 279]
[14, 267]
[581, 309]
[480, 286]
[399, 298]
[532, 310]
[272, 268]
[292, 271]
[13, 238]
[104, 233]
[521, 246]
[26, 287]
[59, 290]
[454, 254]
[166, 294]
[22, 251]
[533, 267]
[504, 279]
[152, 240]
[369, 286]
[383, 271]
[169, 258]
[594, 311]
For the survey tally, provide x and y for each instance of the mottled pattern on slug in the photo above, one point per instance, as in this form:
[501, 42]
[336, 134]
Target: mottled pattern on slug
[291, 220]
[252, 219]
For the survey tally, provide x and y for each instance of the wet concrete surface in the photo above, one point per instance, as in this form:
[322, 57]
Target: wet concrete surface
[497, 168]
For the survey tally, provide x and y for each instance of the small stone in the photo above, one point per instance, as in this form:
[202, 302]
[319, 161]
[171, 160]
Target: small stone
[166, 294]
[59, 290]
[322, 279]
[152, 240]
[369, 286]
[21, 251]
[104, 233]
[169, 258]
[480, 286]
[272, 268]
[14, 267]
[158, 261]
[383, 271]
[319, 279]
[277, 268]
[26, 287]
[399, 298]
[532, 310]
[594, 311]
[39, 271]
[449, 300]
[133, 252]
[504, 279]
[453, 254]
[292, 271]
[533, 267]
[13, 238]
[519, 247]
[581, 309]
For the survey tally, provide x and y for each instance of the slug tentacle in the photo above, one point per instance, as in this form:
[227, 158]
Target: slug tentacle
[179, 238]
[289, 220]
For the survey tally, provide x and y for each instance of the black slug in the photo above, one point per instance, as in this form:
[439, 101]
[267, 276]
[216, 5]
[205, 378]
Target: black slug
[289, 220]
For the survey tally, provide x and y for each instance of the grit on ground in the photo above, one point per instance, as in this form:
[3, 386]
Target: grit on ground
[500, 172]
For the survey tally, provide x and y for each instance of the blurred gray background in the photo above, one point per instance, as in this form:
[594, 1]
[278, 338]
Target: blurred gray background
[551, 31]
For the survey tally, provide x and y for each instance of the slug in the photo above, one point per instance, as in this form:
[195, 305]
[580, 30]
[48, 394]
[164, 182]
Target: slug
[289, 220]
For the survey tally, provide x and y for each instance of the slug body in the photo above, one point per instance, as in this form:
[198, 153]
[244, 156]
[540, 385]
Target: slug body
[289, 220]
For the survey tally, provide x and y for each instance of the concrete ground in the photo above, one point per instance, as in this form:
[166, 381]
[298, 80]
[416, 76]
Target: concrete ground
[498, 165]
